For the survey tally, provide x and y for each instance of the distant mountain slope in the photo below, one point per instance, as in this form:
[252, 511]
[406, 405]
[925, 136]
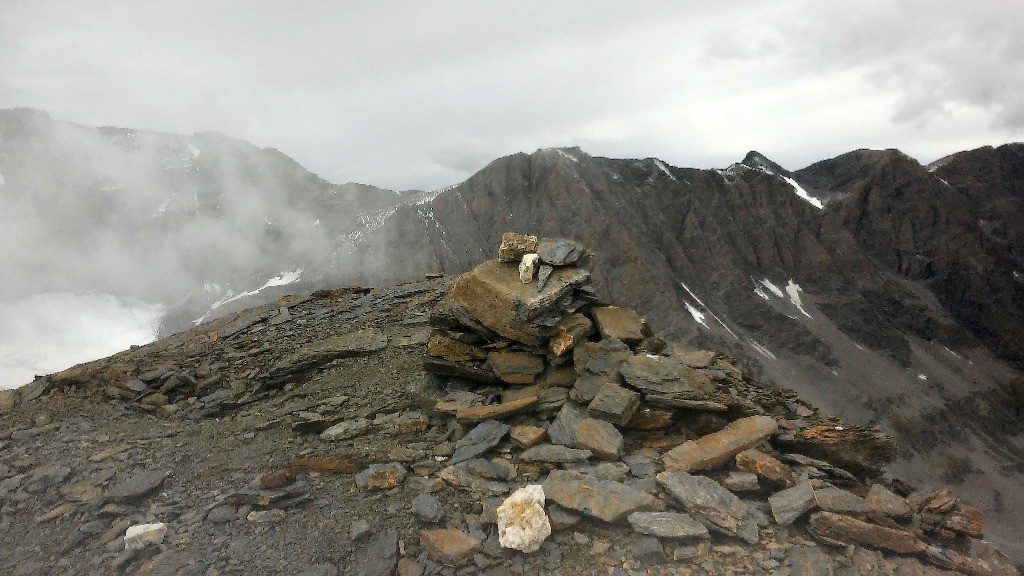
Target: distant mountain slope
[185, 220]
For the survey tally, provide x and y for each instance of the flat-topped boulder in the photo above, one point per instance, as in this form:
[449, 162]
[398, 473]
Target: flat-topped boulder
[493, 294]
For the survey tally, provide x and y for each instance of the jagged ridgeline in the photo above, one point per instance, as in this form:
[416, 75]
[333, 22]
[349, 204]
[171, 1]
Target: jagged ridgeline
[508, 421]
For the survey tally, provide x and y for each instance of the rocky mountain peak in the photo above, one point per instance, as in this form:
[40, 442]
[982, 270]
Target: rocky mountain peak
[755, 159]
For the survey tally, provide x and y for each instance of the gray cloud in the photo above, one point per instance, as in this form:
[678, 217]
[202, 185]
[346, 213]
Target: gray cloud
[420, 95]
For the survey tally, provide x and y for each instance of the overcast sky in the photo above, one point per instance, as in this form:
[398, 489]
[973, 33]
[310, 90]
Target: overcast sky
[423, 94]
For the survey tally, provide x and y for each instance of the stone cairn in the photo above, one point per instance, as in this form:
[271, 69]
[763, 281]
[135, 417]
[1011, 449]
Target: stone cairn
[617, 425]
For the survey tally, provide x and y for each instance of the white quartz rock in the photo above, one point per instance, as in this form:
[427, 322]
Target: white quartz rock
[141, 535]
[528, 268]
[522, 523]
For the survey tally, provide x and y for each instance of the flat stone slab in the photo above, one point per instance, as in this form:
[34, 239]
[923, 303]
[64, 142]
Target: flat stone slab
[559, 251]
[554, 453]
[667, 525]
[845, 530]
[493, 294]
[614, 404]
[709, 502]
[321, 352]
[606, 500]
[563, 428]
[766, 466]
[883, 501]
[495, 411]
[789, 504]
[838, 500]
[480, 439]
[667, 380]
[448, 546]
[516, 367]
[600, 437]
[620, 323]
[137, 486]
[713, 450]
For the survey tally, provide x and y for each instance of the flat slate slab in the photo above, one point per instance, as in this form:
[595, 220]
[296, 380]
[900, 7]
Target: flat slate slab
[137, 486]
[711, 451]
[667, 525]
[708, 501]
[480, 439]
[606, 500]
[493, 294]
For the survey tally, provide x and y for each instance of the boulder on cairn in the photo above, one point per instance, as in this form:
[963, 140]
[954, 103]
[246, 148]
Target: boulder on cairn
[607, 423]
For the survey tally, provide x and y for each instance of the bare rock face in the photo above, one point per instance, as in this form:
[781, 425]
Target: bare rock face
[522, 523]
[845, 530]
[713, 450]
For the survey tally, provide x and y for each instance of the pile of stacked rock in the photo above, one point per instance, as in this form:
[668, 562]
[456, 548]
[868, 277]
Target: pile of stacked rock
[615, 424]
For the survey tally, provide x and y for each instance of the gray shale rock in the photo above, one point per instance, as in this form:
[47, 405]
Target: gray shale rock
[554, 453]
[667, 525]
[480, 439]
[712, 504]
[137, 486]
[789, 504]
[603, 499]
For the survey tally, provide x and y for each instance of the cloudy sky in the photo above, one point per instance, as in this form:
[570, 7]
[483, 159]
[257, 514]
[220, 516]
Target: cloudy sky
[422, 94]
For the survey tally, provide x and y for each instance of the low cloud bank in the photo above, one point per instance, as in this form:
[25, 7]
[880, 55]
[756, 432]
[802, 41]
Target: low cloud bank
[45, 333]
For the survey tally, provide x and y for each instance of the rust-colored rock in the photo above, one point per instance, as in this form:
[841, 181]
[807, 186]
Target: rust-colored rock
[442, 346]
[713, 450]
[857, 449]
[495, 411]
[619, 323]
[527, 436]
[650, 419]
[765, 466]
[570, 331]
[277, 478]
[448, 546]
[845, 530]
[516, 367]
[514, 246]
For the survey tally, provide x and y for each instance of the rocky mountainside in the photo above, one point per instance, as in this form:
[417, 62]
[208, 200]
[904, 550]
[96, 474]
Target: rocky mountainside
[509, 421]
[193, 222]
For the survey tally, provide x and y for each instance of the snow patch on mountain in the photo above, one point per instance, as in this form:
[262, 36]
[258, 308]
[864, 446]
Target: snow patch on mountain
[803, 193]
[697, 314]
[702, 305]
[771, 286]
[793, 289]
[285, 278]
[664, 169]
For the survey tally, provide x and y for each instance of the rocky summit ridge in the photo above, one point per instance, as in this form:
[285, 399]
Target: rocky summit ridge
[508, 421]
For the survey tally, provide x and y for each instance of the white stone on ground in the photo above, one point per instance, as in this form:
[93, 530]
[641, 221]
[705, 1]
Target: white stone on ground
[141, 535]
[522, 523]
